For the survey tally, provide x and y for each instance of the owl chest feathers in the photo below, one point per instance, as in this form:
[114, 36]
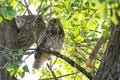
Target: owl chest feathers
[54, 40]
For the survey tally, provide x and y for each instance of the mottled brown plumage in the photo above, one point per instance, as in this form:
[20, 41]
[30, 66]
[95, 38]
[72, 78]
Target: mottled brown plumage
[29, 31]
[51, 40]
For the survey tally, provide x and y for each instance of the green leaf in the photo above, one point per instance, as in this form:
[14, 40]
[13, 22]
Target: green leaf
[17, 63]
[1, 19]
[79, 39]
[58, 72]
[8, 13]
[105, 26]
[87, 29]
[68, 4]
[21, 73]
[1, 1]
[105, 32]
[93, 4]
[76, 31]
[25, 68]
[87, 4]
[114, 20]
[12, 69]
[20, 52]
[13, 3]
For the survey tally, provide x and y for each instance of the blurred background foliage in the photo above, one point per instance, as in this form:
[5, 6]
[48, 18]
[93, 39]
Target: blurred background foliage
[84, 23]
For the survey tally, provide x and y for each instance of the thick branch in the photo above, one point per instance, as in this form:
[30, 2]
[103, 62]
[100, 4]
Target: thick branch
[72, 63]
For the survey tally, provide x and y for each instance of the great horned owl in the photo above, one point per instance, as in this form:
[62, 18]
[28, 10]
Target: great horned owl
[51, 40]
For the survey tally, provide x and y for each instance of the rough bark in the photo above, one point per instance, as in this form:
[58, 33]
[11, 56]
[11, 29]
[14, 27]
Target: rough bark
[16, 36]
[8, 38]
[110, 63]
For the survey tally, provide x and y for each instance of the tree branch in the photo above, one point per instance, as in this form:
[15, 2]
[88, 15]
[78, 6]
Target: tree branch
[53, 74]
[73, 64]
[25, 6]
[61, 76]
[94, 52]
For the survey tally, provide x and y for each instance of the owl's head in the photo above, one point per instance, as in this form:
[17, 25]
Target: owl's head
[54, 23]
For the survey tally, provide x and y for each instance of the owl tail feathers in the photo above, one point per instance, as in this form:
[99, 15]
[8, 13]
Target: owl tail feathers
[36, 64]
[42, 59]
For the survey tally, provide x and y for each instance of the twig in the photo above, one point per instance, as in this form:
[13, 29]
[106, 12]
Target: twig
[36, 17]
[61, 76]
[8, 48]
[94, 52]
[15, 50]
[53, 74]
[50, 10]
[44, 9]
[3, 67]
[27, 8]
[24, 6]
[54, 62]
[91, 16]
[89, 54]
[26, 57]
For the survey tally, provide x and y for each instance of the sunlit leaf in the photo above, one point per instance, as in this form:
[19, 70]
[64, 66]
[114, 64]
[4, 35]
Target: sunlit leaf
[114, 20]
[21, 73]
[68, 4]
[13, 3]
[79, 39]
[105, 26]
[1, 1]
[1, 19]
[58, 72]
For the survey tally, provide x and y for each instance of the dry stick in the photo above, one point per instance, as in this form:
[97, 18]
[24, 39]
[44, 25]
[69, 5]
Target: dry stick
[54, 62]
[61, 76]
[73, 64]
[53, 74]
[94, 52]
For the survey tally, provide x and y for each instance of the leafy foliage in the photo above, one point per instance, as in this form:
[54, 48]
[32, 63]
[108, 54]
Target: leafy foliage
[84, 21]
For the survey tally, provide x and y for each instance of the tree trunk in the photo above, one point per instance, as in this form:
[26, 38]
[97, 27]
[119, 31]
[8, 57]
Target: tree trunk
[110, 64]
[8, 39]
[15, 35]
